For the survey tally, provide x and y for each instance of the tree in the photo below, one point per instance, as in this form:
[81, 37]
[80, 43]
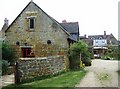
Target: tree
[8, 53]
[74, 54]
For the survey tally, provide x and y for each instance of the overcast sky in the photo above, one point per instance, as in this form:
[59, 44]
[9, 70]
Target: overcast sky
[94, 16]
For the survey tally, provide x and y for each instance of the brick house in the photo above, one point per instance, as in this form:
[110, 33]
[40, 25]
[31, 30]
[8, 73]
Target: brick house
[36, 34]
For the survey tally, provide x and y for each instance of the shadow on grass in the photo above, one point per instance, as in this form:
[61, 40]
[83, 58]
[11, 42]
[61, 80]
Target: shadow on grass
[64, 81]
[13, 86]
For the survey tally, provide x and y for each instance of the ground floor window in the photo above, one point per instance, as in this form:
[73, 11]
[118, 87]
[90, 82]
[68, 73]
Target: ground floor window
[26, 52]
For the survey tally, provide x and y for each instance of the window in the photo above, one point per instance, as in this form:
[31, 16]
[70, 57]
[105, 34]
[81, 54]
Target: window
[26, 52]
[31, 23]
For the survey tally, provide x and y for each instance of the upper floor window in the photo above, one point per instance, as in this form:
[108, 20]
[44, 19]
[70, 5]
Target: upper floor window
[31, 23]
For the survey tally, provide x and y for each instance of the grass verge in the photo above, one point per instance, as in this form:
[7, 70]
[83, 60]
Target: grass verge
[118, 72]
[66, 80]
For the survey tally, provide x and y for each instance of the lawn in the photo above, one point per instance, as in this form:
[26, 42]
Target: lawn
[68, 79]
[118, 72]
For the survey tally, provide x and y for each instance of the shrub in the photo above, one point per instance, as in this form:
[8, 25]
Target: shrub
[4, 67]
[8, 53]
[112, 54]
[74, 55]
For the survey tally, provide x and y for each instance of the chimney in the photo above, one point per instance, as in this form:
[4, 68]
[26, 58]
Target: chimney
[104, 33]
[6, 22]
[64, 21]
[85, 35]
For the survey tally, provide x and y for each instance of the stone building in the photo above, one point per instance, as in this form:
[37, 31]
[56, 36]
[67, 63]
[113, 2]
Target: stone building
[36, 34]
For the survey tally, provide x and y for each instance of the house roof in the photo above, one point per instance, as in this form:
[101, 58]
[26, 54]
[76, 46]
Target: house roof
[98, 36]
[44, 13]
[71, 27]
[83, 37]
[110, 39]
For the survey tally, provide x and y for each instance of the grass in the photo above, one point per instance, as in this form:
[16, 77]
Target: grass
[118, 72]
[68, 79]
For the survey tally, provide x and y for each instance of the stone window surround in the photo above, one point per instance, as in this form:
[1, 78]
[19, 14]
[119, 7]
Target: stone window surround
[31, 29]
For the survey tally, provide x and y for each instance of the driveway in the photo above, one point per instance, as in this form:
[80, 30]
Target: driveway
[102, 73]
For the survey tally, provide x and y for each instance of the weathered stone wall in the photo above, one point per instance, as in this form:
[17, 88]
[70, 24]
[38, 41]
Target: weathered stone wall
[29, 68]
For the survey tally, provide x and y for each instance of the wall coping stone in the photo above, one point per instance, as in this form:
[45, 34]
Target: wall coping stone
[49, 57]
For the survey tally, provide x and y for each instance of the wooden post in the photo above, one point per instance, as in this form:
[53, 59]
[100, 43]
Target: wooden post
[80, 57]
[17, 79]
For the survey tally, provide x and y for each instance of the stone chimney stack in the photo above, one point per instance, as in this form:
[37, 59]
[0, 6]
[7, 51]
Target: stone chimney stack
[64, 21]
[6, 22]
[104, 33]
[85, 35]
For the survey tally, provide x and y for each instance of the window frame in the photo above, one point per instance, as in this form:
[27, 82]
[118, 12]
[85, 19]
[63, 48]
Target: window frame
[26, 51]
[29, 23]
[31, 28]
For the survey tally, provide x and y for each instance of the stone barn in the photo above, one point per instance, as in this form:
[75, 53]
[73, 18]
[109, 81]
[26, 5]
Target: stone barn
[36, 34]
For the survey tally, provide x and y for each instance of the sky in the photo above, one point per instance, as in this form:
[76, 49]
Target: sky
[94, 16]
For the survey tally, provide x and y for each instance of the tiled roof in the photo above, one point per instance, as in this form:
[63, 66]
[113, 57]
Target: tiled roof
[110, 39]
[98, 36]
[71, 27]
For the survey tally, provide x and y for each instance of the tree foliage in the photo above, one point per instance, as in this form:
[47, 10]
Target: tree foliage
[8, 53]
[114, 52]
[74, 54]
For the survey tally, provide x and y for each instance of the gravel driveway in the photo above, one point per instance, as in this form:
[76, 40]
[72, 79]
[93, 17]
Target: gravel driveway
[102, 73]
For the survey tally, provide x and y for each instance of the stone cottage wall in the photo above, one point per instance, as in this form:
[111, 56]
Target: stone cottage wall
[31, 68]
[45, 29]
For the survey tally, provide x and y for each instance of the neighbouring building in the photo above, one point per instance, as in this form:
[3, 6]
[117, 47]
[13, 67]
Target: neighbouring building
[5, 26]
[100, 43]
[84, 38]
[72, 28]
[36, 34]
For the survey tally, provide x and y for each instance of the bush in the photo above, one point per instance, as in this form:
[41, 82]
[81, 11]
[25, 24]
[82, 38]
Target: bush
[112, 54]
[74, 55]
[8, 53]
[4, 67]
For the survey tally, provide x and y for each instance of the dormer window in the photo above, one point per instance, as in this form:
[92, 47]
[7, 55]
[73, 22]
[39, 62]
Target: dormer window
[92, 38]
[100, 38]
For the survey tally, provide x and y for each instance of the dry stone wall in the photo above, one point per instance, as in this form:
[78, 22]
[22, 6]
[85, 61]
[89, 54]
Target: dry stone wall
[30, 68]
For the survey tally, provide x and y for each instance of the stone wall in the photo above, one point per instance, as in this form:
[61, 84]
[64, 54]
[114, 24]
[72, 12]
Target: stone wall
[31, 68]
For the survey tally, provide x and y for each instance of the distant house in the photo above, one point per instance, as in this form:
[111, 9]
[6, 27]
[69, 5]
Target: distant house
[36, 34]
[100, 43]
[5, 26]
[102, 40]
[84, 38]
